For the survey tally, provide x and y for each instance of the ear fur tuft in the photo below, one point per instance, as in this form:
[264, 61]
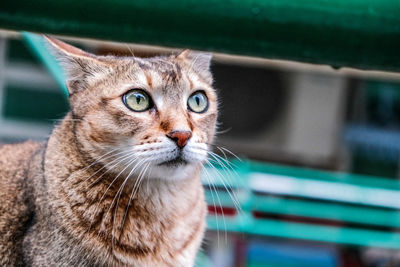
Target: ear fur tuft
[79, 65]
[199, 61]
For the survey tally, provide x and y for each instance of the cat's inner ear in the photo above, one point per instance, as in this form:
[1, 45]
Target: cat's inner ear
[80, 66]
[198, 61]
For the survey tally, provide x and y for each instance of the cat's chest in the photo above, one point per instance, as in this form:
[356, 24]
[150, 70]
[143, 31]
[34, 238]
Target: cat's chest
[131, 230]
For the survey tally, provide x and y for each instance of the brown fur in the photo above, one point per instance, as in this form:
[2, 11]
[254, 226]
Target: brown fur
[62, 202]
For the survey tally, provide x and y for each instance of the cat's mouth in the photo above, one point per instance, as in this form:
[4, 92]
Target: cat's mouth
[178, 161]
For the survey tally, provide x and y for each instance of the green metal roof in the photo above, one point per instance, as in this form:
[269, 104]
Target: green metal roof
[355, 33]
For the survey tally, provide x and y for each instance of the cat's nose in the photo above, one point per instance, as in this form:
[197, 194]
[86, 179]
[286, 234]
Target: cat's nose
[180, 137]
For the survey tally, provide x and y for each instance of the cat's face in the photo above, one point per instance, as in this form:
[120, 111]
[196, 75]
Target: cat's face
[154, 117]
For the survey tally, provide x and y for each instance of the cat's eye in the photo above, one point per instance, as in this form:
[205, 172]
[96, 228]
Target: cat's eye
[198, 102]
[137, 100]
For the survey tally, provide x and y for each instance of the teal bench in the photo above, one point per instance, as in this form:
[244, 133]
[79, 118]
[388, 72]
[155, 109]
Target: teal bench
[306, 204]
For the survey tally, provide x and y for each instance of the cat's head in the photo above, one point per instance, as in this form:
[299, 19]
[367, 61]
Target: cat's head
[154, 115]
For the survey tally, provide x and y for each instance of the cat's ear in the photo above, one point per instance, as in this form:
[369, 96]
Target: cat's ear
[199, 61]
[80, 66]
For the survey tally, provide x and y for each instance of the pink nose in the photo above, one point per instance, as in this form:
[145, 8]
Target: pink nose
[180, 137]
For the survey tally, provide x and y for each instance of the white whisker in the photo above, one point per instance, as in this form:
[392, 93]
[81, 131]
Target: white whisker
[119, 161]
[230, 152]
[222, 210]
[231, 192]
[101, 199]
[120, 189]
[120, 193]
[133, 193]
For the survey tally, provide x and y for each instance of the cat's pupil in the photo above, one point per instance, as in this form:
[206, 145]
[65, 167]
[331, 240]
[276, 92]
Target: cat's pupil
[198, 102]
[137, 100]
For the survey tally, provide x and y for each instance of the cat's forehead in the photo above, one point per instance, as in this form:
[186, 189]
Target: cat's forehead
[162, 64]
[162, 75]
[162, 71]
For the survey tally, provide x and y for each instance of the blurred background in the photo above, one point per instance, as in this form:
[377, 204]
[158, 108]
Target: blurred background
[317, 183]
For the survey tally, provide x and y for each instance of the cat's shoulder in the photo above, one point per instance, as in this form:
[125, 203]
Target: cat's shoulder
[15, 156]
[14, 164]
[14, 207]
[9, 152]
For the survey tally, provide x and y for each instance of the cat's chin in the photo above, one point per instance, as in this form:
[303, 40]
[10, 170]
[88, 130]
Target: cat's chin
[174, 163]
[174, 170]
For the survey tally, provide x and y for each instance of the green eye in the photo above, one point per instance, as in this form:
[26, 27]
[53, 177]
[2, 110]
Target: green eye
[198, 102]
[137, 100]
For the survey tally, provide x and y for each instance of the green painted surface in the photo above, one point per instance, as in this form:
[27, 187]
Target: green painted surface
[339, 177]
[39, 47]
[34, 105]
[358, 33]
[367, 219]
[18, 51]
[329, 211]
[292, 230]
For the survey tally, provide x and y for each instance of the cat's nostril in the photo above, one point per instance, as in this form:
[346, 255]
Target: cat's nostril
[180, 137]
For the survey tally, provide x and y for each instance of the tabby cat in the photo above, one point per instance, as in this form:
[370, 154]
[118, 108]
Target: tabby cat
[118, 181]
